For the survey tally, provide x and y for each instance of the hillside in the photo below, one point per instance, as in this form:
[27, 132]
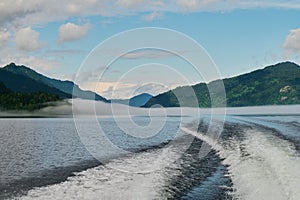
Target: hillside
[139, 100]
[3, 89]
[136, 101]
[67, 87]
[274, 85]
[24, 101]
[23, 84]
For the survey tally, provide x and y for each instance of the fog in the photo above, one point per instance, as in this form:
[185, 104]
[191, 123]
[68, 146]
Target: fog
[83, 108]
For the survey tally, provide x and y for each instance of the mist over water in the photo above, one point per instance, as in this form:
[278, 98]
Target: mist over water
[87, 107]
[80, 107]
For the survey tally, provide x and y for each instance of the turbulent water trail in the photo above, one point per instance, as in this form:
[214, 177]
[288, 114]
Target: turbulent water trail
[252, 159]
[261, 165]
[106, 182]
[158, 173]
[150, 174]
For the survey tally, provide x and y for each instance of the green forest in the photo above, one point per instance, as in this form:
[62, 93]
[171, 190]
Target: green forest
[274, 85]
[24, 101]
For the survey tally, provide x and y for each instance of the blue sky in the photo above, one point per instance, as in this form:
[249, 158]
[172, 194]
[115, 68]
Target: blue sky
[240, 36]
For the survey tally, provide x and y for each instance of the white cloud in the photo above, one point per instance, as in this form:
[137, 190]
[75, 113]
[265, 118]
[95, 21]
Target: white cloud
[39, 64]
[292, 43]
[130, 3]
[28, 39]
[30, 13]
[188, 4]
[18, 9]
[140, 4]
[33, 12]
[152, 16]
[242, 4]
[43, 65]
[153, 89]
[119, 90]
[4, 37]
[72, 32]
[116, 90]
[125, 90]
[110, 90]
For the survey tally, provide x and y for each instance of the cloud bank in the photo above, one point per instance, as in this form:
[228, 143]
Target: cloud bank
[32, 12]
[28, 39]
[72, 32]
[292, 43]
[4, 37]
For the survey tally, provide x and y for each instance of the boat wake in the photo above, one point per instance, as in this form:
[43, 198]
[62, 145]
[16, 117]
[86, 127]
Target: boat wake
[261, 163]
[253, 158]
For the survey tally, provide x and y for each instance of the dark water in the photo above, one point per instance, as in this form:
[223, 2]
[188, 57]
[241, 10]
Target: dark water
[37, 152]
[254, 158]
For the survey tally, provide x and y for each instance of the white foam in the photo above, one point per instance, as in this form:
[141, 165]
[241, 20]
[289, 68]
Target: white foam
[270, 171]
[116, 179]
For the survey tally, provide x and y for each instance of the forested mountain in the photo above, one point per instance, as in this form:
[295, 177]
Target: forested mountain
[24, 84]
[24, 101]
[136, 101]
[274, 85]
[67, 87]
[22, 88]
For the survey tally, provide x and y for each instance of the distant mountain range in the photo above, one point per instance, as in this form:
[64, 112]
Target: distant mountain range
[136, 101]
[24, 88]
[274, 85]
[22, 79]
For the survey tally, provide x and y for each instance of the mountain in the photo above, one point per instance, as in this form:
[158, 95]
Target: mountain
[274, 85]
[140, 99]
[136, 101]
[3, 89]
[10, 100]
[23, 84]
[66, 87]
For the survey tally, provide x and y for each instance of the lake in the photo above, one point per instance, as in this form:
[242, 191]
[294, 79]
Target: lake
[49, 158]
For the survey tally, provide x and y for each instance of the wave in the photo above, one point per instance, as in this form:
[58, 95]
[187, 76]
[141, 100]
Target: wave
[261, 165]
[252, 159]
[150, 174]
[116, 179]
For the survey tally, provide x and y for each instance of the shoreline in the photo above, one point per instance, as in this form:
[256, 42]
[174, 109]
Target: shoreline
[102, 109]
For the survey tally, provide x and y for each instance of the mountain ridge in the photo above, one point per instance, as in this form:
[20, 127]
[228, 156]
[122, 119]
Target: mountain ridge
[10, 100]
[68, 87]
[23, 84]
[135, 101]
[277, 84]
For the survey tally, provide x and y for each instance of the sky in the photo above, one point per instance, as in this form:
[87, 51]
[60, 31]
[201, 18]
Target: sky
[56, 38]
